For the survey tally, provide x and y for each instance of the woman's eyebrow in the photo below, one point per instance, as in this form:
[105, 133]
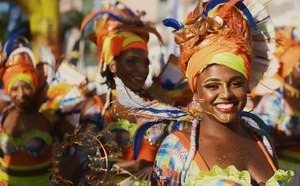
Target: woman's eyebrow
[211, 79]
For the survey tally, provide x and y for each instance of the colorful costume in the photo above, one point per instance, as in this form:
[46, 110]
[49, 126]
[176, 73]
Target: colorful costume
[238, 35]
[174, 164]
[27, 159]
[117, 29]
[122, 133]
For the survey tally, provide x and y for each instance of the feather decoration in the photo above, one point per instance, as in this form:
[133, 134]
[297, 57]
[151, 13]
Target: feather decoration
[263, 40]
[153, 114]
[12, 40]
[90, 17]
[263, 49]
[126, 8]
[173, 23]
[240, 5]
[158, 111]
[128, 98]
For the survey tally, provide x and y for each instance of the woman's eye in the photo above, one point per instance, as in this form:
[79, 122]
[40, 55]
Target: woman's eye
[211, 86]
[238, 83]
[27, 87]
[13, 89]
[130, 61]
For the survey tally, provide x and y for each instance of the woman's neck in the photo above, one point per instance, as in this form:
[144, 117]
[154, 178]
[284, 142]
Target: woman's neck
[210, 126]
[25, 110]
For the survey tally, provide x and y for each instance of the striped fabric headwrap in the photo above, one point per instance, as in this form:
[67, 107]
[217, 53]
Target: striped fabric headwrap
[116, 43]
[117, 29]
[225, 32]
[226, 41]
[19, 66]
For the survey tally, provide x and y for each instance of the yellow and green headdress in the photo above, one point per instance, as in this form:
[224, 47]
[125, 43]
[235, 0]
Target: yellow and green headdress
[226, 32]
[20, 65]
[117, 29]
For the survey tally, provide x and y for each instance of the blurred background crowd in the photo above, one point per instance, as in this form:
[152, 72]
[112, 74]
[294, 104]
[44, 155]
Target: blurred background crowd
[53, 31]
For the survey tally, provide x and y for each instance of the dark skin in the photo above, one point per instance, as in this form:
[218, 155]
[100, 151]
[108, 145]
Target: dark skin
[222, 140]
[25, 117]
[132, 67]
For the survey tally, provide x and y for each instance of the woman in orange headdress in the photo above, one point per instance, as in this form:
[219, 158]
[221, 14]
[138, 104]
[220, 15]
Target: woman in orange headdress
[280, 108]
[121, 37]
[224, 145]
[26, 135]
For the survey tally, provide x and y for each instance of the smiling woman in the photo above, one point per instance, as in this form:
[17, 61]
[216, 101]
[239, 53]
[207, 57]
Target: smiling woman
[26, 135]
[122, 38]
[222, 93]
[223, 145]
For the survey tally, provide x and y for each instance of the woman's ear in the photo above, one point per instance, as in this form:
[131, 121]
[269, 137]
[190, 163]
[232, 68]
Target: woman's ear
[113, 66]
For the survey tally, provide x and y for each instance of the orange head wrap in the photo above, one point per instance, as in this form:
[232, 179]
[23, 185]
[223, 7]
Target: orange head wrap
[117, 29]
[287, 52]
[116, 43]
[19, 67]
[200, 47]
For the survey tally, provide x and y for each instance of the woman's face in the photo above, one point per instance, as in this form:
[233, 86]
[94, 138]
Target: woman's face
[133, 68]
[21, 94]
[222, 93]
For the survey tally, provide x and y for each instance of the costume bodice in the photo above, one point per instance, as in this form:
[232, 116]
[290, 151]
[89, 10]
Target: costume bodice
[173, 155]
[34, 142]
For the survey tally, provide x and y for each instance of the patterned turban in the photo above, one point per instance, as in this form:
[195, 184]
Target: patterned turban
[117, 29]
[19, 67]
[116, 43]
[207, 40]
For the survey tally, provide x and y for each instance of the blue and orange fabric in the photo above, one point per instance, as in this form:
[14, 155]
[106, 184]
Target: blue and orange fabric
[172, 164]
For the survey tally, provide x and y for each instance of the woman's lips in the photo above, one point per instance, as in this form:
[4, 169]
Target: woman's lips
[225, 107]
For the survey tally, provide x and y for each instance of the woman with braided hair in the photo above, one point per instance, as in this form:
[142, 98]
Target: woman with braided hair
[121, 37]
[224, 145]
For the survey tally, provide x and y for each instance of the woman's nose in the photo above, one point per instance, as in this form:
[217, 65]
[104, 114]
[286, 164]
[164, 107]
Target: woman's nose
[20, 92]
[225, 92]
